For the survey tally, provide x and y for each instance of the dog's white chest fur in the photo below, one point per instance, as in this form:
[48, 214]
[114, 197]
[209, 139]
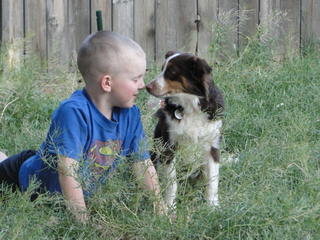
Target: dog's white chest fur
[194, 126]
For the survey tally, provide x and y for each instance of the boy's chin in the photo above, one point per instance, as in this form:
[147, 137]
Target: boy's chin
[127, 105]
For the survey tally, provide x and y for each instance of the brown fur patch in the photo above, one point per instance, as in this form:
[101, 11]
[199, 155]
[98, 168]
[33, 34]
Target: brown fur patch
[174, 86]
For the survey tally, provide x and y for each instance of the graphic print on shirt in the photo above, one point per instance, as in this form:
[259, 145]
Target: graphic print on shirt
[102, 155]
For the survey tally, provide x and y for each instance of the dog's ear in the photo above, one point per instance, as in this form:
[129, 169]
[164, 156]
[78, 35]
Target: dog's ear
[203, 66]
[199, 66]
[170, 53]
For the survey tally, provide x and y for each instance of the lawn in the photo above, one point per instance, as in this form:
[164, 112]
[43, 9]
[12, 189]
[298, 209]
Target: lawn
[272, 123]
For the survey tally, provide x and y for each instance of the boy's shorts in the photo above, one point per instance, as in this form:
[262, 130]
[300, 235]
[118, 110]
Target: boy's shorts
[9, 168]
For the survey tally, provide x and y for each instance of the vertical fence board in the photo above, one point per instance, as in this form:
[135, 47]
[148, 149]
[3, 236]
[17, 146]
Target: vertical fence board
[79, 23]
[175, 26]
[105, 6]
[207, 10]
[35, 27]
[271, 20]
[144, 26]
[123, 17]
[13, 32]
[282, 17]
[310, 21]
[12, 20]
[1, 21]
[248, 20]
[228, 19]
[57, 32]
[291, 34]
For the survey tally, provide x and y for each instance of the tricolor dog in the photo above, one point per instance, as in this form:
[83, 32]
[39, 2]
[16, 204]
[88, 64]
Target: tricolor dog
[191, 114]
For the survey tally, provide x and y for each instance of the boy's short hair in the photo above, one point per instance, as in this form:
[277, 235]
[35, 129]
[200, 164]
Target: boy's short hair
[100, 53]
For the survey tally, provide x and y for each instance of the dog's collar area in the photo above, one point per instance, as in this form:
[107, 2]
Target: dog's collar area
[178, 114]
[176, 111]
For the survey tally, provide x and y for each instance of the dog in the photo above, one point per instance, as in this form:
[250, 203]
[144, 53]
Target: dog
[192, 113]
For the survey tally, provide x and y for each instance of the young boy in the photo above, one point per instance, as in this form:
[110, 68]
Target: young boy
[91, 130]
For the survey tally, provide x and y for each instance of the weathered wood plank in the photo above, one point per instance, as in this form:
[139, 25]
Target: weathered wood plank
[248, 20]
[105, 6]
[1, 22]
[36, 28]
[228, 23]
[144, 26]
[282, 22]
[175, 26]
[12, 32]
[123, 17]
[208, 13]
[271, 21]
[12, 20]
[79, 23]
[58, 50]
[310, 18]
[291, 27]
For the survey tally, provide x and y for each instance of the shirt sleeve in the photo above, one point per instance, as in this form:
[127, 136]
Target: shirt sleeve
[68, 132]
[139, 144]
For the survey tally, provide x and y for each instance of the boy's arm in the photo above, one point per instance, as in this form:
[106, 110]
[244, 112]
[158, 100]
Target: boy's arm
[71, 188]
[146, 172]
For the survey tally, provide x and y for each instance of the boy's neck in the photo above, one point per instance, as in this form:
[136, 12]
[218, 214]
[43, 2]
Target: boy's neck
[101, 102]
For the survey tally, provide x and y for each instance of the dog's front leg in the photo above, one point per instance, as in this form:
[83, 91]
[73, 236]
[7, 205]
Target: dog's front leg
[172, 186]
[212, 173]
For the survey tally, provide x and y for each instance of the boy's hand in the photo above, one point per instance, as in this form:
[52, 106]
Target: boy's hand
[81, 216]
[146, 172]
[71, 188]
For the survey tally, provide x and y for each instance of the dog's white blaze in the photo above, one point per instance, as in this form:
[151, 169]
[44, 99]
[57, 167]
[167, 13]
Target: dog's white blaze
[167, 61]
[159, 82]
[171, 191]
[160, 79]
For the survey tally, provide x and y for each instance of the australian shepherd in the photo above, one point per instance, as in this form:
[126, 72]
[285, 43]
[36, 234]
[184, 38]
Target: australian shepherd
[191, 114]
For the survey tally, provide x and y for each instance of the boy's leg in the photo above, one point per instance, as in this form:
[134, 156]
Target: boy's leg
[9, 168]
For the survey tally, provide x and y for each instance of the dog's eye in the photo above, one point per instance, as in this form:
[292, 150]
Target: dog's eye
[171, 74]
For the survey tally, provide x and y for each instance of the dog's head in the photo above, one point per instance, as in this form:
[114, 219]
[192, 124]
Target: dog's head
[182, 73]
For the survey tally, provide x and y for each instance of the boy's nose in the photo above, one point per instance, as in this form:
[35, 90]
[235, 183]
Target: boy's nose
[141, 84]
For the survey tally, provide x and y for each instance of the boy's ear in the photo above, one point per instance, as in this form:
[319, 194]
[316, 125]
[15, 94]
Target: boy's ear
[105, 83]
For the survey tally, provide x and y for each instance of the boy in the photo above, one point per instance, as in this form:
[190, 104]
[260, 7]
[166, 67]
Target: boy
[96, 125]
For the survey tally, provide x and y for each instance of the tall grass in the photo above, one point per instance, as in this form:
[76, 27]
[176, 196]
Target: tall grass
[272, 123]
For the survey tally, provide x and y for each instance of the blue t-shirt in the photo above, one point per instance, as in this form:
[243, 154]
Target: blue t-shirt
[78, 130]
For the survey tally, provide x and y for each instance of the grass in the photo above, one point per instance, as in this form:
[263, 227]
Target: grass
[272, 123]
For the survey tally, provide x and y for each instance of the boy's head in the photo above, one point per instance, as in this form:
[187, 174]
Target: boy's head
[113, 63]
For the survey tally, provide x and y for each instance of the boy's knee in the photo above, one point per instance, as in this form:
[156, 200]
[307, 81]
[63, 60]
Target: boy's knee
[3, 156]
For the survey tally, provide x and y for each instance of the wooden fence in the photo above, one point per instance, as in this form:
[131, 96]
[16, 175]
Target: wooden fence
[53, 29]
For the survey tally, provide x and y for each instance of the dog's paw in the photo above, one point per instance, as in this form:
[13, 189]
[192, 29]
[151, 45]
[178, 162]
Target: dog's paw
[214, 203]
